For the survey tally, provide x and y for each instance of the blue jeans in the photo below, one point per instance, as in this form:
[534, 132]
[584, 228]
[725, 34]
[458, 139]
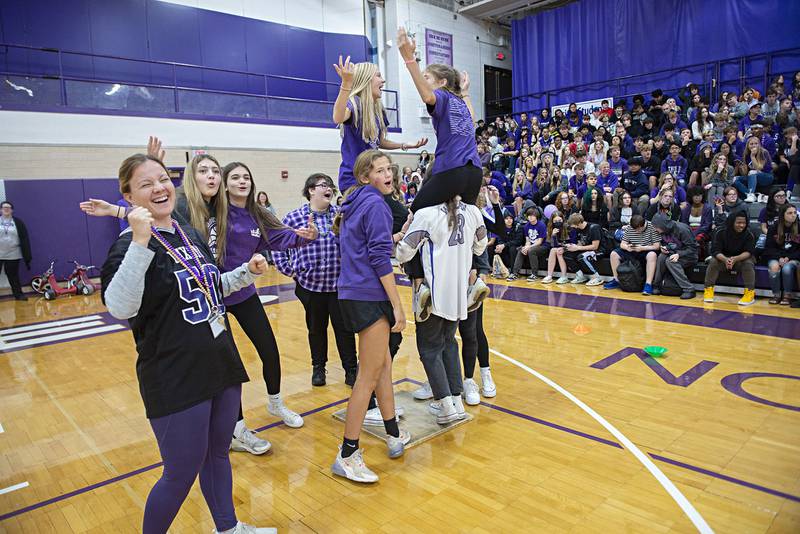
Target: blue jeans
[747, 184]
[783, 276]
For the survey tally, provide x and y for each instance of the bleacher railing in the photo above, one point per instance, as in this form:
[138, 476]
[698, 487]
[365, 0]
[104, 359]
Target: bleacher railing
[713, 78]
[56, 80]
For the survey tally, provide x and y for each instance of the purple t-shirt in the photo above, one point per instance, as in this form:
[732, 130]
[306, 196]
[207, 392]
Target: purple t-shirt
[353, 145]
[455, 133]
[535, 231]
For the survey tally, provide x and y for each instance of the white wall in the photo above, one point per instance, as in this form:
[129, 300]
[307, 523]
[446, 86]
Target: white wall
[474, 45]
[334, 16]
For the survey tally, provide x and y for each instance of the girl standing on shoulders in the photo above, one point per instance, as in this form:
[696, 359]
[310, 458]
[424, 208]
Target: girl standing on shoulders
[371, 307]
[359, 112]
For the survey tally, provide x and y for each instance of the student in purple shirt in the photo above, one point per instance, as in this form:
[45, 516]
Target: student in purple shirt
[618, 165]
[315, 269]
[371, 307]
[359, 112]
[675, 164]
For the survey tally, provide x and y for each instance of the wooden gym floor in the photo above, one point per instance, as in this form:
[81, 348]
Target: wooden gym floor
[716, 422]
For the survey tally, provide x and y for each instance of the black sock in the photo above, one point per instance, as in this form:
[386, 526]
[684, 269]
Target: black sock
[349, 446]
[391, 427]
[372, 402]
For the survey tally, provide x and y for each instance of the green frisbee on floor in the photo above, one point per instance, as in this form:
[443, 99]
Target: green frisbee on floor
[655, 351]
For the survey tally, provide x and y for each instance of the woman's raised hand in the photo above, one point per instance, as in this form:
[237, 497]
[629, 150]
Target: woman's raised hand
[406, 45]
[99, 208]
[346, 71]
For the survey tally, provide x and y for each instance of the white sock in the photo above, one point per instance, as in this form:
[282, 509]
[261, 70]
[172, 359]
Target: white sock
[275, 399]
[239, 428]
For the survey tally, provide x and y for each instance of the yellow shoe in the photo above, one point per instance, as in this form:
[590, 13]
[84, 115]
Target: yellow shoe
[708, 294]
[748, 298]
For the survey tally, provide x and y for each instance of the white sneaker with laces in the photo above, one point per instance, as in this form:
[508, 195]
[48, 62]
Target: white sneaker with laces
[562, 280]
[488, 388]
[397, 445]
[353, 467]
[471, 395]
[290, 418]
[594, 281]
[547, 279]
[423, 392]
[244, 528]
[476, 293]
[750, 197]
[458, 404]
[444, 410]
[579, 278]
[374, 417]
[249, 442]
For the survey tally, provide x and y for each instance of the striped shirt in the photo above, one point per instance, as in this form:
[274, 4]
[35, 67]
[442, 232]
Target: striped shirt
[316, 266]
[645, 238]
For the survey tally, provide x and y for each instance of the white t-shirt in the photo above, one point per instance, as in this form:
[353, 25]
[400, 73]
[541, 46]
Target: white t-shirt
[446, 254]
[9, 240]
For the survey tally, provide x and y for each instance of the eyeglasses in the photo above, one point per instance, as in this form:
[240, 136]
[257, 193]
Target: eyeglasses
[323, 185]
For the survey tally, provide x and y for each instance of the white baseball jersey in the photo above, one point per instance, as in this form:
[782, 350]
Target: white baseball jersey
[446, 254]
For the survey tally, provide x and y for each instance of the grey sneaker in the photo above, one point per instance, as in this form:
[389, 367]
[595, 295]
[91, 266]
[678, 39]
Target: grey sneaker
[397, 445]
[579, 279]
[249, 442]
[353, 468]
[476, 293]
[423, 392]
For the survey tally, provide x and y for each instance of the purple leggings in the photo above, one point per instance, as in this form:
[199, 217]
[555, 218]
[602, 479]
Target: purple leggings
[194, 441]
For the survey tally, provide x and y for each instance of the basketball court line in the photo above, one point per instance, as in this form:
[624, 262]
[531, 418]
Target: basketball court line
[15, 487]
[530, 418]
[691, 512]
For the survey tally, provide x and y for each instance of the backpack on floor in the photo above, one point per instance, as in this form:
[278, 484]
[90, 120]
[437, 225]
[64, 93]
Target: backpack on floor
[669, 287]
[630, 276]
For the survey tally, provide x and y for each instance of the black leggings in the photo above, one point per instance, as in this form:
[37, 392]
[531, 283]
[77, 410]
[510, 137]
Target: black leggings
[253, 319]
[442, 186]
[473, 342]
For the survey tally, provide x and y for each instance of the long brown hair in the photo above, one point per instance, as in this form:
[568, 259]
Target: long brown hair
[564, 232]
[199, 213]
[264, 219]
[451, 77]
[794, 229]
[361, 169]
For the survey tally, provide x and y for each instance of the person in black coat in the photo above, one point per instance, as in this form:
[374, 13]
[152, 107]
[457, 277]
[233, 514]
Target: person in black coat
[15, 245]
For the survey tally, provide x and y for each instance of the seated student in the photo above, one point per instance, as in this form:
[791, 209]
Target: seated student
[557, 237]
[583, 253]
[578, 181]
[701, 161]
[675, 164]
[788, 159]
[452, 232]
[699, 217]
[510, 239]
[617, 164]
[598, 150]
[759, 165]
[593, 207]
[782, 254]
[640, 242]
[727, 204]
[733, 249]
[678, 251]
[667, 182]
[497, 179]
[411, 193]
[620, 216]
[716, 178]
[651, 165]
[636, 183]
[768, 215]
[608, 182]
[534, 232]
[565, 204]
[665, 204]
[589, 183]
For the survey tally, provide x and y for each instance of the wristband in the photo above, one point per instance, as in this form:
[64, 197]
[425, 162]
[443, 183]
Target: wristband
[343, 88]
[410, 61]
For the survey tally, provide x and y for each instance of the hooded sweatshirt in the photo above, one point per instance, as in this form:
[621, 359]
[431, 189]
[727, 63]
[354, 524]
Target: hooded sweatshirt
[637, 184]
[365, 241]
[677, 237]
[729, 242]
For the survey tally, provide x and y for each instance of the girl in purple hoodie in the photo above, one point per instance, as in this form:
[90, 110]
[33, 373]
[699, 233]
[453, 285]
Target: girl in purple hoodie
[370, 306]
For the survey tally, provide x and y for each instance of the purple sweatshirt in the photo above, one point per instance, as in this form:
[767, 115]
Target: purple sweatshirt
[243, 239]
[365, 241]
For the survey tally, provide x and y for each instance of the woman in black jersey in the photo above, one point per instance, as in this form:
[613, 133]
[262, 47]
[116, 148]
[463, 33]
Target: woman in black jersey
[163, 278]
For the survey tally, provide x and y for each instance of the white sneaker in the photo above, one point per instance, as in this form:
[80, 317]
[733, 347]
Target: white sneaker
[422, 303]
[594, 281]
[444, 410]
[374, 417]
[458, 404]
[562, 280]
[244, 528]
[423, 392]
[580, 278]
[488, 388]
[750, 197]
[476, 293]
[290, 418]
[249, 442]
[397, 445]
[471, 396]
[353, 468]
[547, 280]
